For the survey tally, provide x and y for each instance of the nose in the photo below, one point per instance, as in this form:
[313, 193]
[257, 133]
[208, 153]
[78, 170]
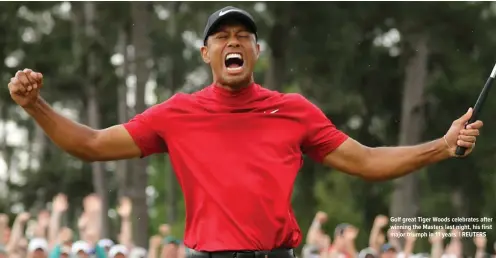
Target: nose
[233, 42]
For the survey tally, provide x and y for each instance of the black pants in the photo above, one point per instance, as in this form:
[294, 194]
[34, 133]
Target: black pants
[279, 253]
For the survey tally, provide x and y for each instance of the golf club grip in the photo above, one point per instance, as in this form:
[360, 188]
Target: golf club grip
[460, 151]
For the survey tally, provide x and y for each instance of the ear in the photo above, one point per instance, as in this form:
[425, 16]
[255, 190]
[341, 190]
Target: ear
[204, 54]
[258, 50]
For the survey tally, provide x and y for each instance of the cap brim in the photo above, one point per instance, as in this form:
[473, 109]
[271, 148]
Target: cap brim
[233, 15]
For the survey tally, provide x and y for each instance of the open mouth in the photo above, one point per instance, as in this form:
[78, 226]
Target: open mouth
[234, 62]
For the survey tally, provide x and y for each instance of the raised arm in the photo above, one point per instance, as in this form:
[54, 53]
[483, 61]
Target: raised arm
[4, 225]
[43, 220]
[124, 211]
[437, 246]
[391, 162]
[315, 230]
[480, 245]
[81, 141]
[17, 231]
[326, 144]
[154, 246]
[379, 223]
[59, 206]
[92, 208]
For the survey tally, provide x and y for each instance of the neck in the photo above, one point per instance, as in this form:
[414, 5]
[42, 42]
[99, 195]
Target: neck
[236, 86]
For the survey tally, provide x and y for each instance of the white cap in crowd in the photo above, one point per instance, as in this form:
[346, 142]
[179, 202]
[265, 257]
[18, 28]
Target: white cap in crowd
[367, 252]
[138, 252]
[80, 246]
[117, 249]
[105, 243]
[38, 244]
[64, 249]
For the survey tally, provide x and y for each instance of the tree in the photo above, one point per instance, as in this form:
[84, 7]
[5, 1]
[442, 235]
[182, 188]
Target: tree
[142, 51]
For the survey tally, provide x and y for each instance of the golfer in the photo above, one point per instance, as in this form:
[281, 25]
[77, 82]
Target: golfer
[235, 146]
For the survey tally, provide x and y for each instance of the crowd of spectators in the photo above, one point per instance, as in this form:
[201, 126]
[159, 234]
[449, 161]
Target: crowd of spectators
[43, 237]
[383, 242]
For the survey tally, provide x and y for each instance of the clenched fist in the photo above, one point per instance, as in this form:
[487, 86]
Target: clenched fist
[25, 86]
[125, 207]
[458, 135]
[381, 221]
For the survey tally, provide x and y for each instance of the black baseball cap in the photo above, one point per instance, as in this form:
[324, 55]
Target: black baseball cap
[227, 13]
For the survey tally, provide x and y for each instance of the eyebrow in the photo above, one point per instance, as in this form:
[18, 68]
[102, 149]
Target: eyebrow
[236, 31]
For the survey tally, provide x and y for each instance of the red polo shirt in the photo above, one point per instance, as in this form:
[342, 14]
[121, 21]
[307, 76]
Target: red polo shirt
[236, 156]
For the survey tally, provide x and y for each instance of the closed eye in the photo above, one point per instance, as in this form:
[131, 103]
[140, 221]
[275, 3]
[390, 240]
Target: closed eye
[243, 34]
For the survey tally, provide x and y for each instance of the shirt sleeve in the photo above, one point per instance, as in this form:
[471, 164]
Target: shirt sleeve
[322, 136]
[143, 132]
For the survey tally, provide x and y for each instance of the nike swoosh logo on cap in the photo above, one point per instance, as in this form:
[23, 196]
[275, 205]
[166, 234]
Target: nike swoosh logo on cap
[226, 11]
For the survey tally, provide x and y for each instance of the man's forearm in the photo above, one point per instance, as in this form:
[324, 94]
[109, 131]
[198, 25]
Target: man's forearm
[15, 236]
[391, 162]
[53, 228]
[2, 233]
[437, 250]
[125, 235]
[95, 226]
[313, 231]
[374, 234]
[68, 135]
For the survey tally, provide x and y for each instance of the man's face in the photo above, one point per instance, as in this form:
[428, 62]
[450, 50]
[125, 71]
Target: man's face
[232, 52]
[82, 254]
[39, 253]
[389, 254]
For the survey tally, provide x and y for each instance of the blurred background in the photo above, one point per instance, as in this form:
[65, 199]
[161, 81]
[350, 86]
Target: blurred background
[386, 73]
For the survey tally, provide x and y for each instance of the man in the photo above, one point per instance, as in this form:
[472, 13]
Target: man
[138, 252]
[368, 253]
[235, 146]
[106, 244]
[170, 247]
[388, 251]
[343, 245]
[81, 249]
[38, 248]
[63, 245]
[118, 251]
[376, 237]
[317, 241]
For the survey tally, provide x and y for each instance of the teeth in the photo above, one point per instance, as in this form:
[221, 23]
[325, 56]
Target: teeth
[234, 55]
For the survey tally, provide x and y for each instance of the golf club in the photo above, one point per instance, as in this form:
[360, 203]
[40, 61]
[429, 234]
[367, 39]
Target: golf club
[460, 151]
